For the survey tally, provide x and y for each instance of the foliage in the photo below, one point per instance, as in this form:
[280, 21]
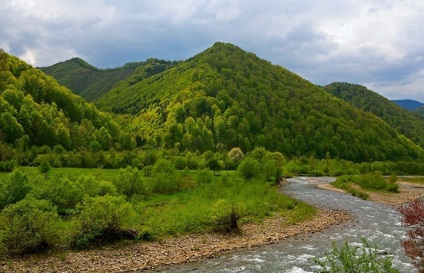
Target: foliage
[90, 82]
[347, 259]
[44, 167]
[37, 111]
[404, 121]
[102, 219]
[29, 226]
[249, 169]
[61, 191]
[225, 97]
[129, 182]
[413, 220]
[225, 215]
[13, 188]
[372, 181]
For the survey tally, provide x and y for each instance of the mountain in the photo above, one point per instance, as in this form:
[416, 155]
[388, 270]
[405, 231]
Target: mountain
[35, 111]
[91, 82]
[405, 122]
[409, 104]
[420, 110]
[225, 97]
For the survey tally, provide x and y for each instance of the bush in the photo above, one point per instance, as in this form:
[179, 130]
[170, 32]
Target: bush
[8, 166]
[249, 169]
[103, 219]
[29, 226]
[225, 215]
[13, 188]
[165, 183]
[129, 182]
[413, 220]
[44, 167]
[94, 187]
[64, 193]
[355, 260]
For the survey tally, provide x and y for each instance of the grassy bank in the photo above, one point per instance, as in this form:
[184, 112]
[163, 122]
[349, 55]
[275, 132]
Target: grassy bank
[85, 208]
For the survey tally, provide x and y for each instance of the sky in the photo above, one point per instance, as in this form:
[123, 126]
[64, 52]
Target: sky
[379, 43]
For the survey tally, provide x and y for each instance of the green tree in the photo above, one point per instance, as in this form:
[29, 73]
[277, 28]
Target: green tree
[214, 165]
[236, 154]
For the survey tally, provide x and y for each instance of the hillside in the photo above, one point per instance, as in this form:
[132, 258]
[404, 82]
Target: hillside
[405, 122]
[225, 97]
[37, 111]
[90, 82]
[409, 104]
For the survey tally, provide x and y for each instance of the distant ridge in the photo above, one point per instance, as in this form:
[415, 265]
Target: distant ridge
[409, 104]
[91, 82]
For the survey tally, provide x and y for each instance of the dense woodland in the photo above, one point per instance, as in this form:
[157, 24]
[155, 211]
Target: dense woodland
[91, 83]
[405, 122]
[225, 97]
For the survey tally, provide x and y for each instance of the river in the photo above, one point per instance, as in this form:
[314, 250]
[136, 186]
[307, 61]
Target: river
[380, 224]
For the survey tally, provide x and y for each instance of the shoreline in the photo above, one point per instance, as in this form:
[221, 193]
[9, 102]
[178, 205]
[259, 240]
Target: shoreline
[172, 251]
[407, 192]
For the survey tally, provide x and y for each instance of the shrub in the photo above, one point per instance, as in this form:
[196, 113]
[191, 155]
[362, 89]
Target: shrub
[165, 183]
[44, 167]
[129, 182]
[13, 188]
[413, 220]
[225, 215]
[94, 187]
[249, 169]
[64, 193]
[103, 219]
[355, 260]
[29, 226]
[8, 166]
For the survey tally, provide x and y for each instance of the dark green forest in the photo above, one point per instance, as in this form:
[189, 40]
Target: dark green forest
[91, 83]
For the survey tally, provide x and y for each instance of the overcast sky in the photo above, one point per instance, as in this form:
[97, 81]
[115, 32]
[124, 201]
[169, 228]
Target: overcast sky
[379, 43]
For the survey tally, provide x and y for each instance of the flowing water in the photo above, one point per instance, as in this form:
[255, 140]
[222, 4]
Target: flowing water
[380, 224]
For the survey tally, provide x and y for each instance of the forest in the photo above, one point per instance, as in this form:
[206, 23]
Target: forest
[123, 151]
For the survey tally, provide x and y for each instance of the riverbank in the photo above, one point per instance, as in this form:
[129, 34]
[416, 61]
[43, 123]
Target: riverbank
[407, 192]
[170, 251]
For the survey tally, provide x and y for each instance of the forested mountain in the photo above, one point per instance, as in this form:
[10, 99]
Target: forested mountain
[420, 110]
[35, 111]
[90, 82]
[405, 122]
[409, 104]
[225, 97]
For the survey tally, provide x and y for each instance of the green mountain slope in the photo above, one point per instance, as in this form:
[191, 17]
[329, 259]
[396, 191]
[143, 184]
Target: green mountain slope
[91, 83]
[225, 97]
[36, 110]
[405, 122]
[420, 110]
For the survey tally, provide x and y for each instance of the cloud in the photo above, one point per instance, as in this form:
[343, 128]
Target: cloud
[375, 43]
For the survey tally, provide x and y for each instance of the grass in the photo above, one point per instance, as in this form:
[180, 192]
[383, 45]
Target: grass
[204, 202]
[414, 179]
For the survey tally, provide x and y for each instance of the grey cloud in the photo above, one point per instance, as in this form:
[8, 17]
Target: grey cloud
[302, 35]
